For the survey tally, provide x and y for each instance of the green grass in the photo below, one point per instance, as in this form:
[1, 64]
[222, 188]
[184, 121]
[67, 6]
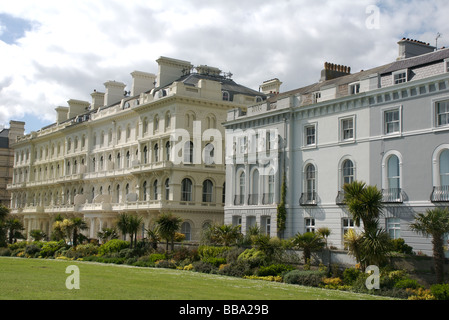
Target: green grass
[40, 279]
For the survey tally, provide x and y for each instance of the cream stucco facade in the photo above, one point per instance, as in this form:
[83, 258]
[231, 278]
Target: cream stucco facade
[156, 148]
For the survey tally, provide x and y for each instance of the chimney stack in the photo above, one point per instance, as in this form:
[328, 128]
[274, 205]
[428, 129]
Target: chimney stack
[409, 48]
[16, 129]
[271, 86]
[332, 71]
[171, 70]
[114, 92]
[142, 82]
[77, 107]
[97, 99]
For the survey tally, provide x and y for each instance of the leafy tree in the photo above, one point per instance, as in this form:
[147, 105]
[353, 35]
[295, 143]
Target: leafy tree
[434, 223]
[168, 224]
[308, 242]
[4, 211]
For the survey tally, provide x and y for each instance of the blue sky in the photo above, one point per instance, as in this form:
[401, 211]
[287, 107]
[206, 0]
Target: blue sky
[53, 51]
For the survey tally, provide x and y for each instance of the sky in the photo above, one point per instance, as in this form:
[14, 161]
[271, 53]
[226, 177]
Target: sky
[52, 51]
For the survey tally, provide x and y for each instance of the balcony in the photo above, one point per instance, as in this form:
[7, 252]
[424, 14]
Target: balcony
[239, 200]
[268, 198]
[253, 199]
[308, 199]
[392, 195]
[440, 194]
[340, 199]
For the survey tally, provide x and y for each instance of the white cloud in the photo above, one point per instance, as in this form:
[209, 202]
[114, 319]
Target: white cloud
[73, 47]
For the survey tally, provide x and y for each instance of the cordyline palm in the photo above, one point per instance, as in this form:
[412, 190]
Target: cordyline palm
[168, 224]
[434, 223]
[78, 224]
[308, 242]
[364, 203]
[123, 224]
[134, 222]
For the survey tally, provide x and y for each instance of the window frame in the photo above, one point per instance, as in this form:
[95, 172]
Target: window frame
[384, 112]
[399, 80]
[307, 126]
[342, 129]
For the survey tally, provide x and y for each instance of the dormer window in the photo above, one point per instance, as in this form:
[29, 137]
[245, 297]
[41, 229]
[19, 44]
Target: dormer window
[446, 65]
[226, 96]
[354, 88]
[316, 96]
[400, 76]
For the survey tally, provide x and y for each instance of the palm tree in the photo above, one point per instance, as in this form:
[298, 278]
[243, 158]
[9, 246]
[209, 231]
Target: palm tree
[122, 224]
[364, 203]
[4, 211]
[14, 226]
[308, 242]
[434, 223]
[168, 224]
[107, 234]
[134, 222]
[78, 224]
[153, 235]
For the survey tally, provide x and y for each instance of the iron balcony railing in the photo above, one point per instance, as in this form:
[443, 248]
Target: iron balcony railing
[440, 194]
[308, 199]
[392, 195]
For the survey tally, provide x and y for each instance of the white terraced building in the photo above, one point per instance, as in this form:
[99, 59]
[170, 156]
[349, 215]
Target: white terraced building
[387, 126]
[158, 147]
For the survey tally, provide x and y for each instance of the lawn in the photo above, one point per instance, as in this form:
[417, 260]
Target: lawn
[40, 279]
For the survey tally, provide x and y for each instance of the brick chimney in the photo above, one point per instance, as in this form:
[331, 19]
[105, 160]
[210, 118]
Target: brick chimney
[332, 71]
[409, 48]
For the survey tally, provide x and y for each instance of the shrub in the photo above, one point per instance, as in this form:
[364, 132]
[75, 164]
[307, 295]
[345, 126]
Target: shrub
[156, 257]
[440, 291]
[5, 252]
[49, 248]
[204, 267]
[32, 250]
[239, 268]
[407, 283]
[305, 278]
[266, 278]
[253, 256]
[334, 283]
[274, 270]
[400, 246]
[114, 245]
[350, 275]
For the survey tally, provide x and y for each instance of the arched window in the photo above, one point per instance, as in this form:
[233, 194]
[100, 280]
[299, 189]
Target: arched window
[155, 196]
[167, 189]
[240, 197]
[186, 190]
[393, 173]
[347, 172]
[188, 152]
[207, 191]
[310, 183]
[118, 195]
[254, 196]
[118, 161]
[144, 191]
[186, 230]
[270, 196]
[156, 123]
[209, 154]
[145, 155]
[167, 119]
[156, 153]
[128, 159]
[226, 96]
[444, 168]
[167, 151]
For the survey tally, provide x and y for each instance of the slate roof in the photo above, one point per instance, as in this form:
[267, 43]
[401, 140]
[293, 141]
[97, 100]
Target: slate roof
[418, 61]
